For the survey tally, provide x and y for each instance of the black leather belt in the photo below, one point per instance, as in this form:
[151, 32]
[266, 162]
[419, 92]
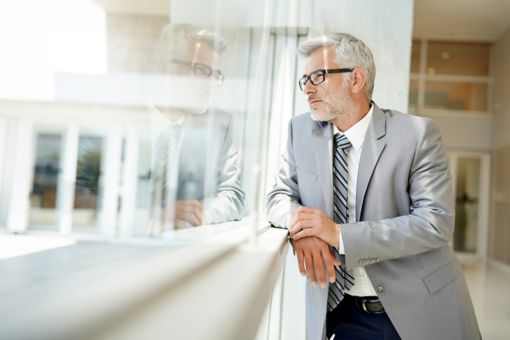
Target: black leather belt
[369, 304]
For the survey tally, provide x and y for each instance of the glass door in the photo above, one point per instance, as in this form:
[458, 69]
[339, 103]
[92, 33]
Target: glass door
[87, 191]
[471, 187]
[43, 196]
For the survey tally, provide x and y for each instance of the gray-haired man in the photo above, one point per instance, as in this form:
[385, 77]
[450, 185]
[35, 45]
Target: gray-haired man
[195, 168]
[370, 189]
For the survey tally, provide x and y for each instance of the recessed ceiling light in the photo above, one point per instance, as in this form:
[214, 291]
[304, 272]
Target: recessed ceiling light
[445, 55]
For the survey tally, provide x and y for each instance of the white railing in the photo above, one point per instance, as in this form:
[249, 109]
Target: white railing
[216, 289]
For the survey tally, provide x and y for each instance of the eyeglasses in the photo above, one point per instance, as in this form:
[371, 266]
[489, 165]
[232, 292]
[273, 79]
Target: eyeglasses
[319, 76]
[202, 71]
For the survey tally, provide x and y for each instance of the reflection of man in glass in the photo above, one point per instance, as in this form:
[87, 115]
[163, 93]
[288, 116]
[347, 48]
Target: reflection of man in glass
[196, 177]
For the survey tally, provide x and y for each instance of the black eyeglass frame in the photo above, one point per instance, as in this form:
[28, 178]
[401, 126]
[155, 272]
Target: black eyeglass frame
[217, 75]
[308, 77]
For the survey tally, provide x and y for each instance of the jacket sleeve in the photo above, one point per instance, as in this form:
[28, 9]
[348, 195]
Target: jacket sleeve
[283, 199]
[228, 203]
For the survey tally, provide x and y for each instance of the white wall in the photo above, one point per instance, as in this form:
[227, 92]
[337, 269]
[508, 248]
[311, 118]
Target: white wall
[4, 181]
[464, 131]
[130, 41]
[500, 201]
[500, 67]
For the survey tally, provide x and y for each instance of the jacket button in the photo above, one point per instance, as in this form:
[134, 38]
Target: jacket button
[380, 289]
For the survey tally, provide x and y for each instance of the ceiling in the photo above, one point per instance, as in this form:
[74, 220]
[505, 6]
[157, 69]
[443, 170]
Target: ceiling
[473, 20]
[146, 7]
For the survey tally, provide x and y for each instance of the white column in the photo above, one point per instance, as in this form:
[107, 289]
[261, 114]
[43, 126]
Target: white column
[3, 179]
[17, 216]
[484, 206]
[110, 165]
[66, 184]
[129, 182]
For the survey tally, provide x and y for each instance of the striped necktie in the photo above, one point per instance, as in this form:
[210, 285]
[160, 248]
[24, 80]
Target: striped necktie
[344, 278]
[164, 181]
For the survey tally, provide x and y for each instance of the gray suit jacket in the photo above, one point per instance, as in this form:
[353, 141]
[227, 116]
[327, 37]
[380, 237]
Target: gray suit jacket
[404, 214]
[208, 165]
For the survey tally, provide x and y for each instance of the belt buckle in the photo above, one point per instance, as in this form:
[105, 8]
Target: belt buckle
[365, 309]
[364, 306]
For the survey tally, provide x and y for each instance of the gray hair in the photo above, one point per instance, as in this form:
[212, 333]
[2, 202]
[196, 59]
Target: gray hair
[348, 50]
[175, 39]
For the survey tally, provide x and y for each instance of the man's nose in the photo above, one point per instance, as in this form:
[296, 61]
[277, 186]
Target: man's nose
[309, 88]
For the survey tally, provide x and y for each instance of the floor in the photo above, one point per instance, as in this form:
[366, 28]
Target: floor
[489, 284]
[12, 245]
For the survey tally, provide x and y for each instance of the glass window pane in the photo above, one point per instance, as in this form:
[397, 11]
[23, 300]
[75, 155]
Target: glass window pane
[458, 58]
[88, 179]
[143, 185]
[466, 207]
[415, 56]
[123, 74]
[43, 197]
[413, 93]
[456, 96]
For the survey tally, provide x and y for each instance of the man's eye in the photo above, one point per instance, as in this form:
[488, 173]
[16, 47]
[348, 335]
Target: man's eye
[316, 77]
[201, 71]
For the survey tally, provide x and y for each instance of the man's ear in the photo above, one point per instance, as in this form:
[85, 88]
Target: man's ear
[358, 80]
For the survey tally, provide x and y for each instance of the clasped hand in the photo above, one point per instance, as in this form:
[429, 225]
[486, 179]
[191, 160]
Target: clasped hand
[313, 222]
[187, 214]
[313, 232]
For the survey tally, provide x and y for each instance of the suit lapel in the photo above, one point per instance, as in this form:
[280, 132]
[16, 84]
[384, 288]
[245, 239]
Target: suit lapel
[373, 145]
[321, 136]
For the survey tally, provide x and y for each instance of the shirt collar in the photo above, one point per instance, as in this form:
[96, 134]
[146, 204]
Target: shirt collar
[163, 118]
[356, 133]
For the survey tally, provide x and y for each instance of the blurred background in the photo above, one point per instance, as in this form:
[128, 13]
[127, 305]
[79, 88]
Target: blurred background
[77, 79]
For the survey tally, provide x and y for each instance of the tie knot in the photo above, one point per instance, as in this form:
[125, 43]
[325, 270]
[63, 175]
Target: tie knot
[342, 142]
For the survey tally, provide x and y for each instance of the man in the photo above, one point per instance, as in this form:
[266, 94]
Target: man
[195, 170]
[367, 196]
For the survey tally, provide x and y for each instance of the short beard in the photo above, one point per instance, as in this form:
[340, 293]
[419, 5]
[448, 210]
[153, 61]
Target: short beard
[324, 116]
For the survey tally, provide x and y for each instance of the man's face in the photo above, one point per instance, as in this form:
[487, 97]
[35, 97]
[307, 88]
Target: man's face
[193, 86]
[331, 98]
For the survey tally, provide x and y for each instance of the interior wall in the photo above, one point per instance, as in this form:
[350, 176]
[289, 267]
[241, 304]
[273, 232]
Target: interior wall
[130, 41]
[500, 200]
[475, 133]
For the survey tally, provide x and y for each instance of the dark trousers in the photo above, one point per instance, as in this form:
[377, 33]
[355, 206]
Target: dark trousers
[349, 321]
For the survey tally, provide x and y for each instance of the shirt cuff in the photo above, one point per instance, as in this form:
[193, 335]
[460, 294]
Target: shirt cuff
[341, 249]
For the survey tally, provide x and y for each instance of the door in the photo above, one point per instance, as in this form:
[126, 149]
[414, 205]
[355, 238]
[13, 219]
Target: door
[87, 192]
[471, 179]
[43, 195]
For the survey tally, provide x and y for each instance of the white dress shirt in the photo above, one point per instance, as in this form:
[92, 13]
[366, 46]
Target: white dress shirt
[356, 135]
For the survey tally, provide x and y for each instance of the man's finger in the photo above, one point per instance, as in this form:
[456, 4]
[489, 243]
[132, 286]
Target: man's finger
[300, 261]
[188, 216]
[309, 268]
[300, 225]
[301, 213]
[333, 258]
[181, 224]
[189, 206]
[327, 258]
[305, 233]
[199, 213]
[319, 268]
[197, 206]
[310, 219]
